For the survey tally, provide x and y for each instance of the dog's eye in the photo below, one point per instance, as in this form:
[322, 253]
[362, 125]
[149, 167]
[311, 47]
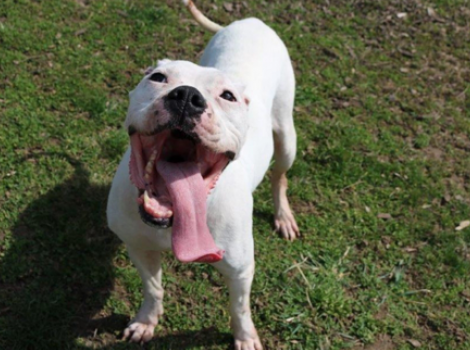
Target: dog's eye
[158, 78]
[227, 95]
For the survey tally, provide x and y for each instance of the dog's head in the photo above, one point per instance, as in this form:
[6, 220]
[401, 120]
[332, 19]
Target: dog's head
[186, 114]
[186, 99]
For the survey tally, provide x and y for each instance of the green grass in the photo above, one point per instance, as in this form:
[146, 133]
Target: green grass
[382, 115]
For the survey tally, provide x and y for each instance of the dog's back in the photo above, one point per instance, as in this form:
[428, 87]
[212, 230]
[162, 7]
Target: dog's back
[250, 51]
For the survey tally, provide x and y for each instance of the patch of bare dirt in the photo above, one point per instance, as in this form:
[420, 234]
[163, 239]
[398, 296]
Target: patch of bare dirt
[300, 207]
[383, 342]
[433, 153]
[382, 313]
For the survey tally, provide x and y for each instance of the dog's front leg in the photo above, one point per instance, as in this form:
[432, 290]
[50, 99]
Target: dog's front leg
[239, 285]
[148, 263]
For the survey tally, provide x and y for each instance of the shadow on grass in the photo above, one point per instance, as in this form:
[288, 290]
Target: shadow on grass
[186, 340]
[191, 339]
[57, 274]
[264, 215]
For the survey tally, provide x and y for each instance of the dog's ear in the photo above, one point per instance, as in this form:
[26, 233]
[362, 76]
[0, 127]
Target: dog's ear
[148, 70]
[246, 99]
[160, 63]
[163, 62]
[241, 89]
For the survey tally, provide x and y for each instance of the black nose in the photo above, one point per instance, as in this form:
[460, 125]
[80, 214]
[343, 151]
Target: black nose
[186, 101]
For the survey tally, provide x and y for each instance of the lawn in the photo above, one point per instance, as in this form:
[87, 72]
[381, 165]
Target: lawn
[380, 184]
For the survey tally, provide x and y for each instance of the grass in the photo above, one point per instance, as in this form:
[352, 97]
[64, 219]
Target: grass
[379, 185]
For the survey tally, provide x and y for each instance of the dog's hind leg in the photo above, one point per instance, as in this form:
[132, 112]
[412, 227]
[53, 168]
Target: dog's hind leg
[148, 263]
[285, 144]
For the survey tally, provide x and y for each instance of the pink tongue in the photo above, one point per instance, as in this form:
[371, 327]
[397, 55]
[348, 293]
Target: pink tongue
[191, 239]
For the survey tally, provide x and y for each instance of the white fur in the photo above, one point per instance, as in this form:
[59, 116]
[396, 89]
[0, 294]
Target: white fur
[249, 52]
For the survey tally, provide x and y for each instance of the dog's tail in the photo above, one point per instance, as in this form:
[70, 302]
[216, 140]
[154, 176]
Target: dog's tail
[200, 18]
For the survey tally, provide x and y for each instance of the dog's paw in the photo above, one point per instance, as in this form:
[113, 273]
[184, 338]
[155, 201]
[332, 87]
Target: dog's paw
[139, 332]
[248, 344]
[286, 226]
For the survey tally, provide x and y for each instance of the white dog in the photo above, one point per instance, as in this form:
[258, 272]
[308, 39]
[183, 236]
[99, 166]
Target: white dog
[201, 140]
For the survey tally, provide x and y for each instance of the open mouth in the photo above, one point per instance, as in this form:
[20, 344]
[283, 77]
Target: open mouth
[174, 174]
[149, 153]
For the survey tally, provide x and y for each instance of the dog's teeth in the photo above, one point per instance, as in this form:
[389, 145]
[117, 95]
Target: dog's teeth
[163, 214]
[150, 167]
[146, 197]
[158, 213]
